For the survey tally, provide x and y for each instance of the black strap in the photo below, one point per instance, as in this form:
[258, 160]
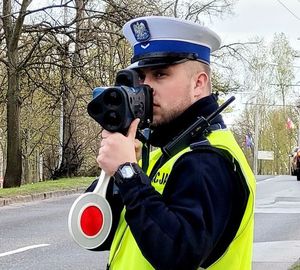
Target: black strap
[145, 156]
[165, 157]
[143, 136]
[205, 146]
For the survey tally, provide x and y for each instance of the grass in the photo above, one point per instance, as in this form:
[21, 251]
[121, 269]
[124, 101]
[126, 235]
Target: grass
[296, 266]
[46, 186]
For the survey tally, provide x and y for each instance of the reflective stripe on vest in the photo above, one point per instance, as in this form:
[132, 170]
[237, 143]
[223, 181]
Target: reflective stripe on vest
[125, 253]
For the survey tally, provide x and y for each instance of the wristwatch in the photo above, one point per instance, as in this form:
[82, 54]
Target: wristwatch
[126, 172]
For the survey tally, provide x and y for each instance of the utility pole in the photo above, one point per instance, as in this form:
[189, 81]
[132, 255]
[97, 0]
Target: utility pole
[256, 131]
[299, 127]
[256, 126]
[298, 110]
[61, 117]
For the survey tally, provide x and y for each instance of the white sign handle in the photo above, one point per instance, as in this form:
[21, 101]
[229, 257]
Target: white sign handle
[90, 217]
[102, 184]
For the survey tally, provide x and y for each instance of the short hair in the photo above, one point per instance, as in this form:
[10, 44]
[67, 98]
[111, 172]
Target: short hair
[196, 67]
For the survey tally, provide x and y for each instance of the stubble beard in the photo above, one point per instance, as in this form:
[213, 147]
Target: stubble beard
[169, 116]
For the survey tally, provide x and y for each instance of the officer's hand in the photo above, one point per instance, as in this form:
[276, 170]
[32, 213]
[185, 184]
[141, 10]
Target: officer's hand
[116, 149]
[138, 149]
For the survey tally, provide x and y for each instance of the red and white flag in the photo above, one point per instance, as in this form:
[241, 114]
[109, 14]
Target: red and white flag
[289, 124]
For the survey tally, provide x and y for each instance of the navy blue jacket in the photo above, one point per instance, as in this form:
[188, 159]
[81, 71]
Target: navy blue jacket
[192, 223]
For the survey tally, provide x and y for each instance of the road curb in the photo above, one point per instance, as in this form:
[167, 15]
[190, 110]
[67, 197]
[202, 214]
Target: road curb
[39, 196]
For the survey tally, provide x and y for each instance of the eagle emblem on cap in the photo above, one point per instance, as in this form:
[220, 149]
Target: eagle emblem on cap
[141, 31]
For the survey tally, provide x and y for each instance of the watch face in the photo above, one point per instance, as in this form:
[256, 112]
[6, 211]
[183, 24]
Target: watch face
[127, 171]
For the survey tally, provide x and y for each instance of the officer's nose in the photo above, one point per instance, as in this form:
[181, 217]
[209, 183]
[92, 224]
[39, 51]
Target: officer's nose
[148, 81]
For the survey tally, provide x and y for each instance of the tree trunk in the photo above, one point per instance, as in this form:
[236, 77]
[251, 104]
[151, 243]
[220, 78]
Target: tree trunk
[14, 157]
[12, 30]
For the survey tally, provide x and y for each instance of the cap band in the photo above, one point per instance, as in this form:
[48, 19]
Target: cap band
[174, 46]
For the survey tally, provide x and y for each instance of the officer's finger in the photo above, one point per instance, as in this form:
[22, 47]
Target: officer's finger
[105, 133]
[133, 128]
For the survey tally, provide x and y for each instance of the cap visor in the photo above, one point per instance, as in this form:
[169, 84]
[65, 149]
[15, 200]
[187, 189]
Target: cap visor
[156, 62]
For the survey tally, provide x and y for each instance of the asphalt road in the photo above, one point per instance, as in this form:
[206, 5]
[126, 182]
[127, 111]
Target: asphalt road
[277, 219]
[35, 235]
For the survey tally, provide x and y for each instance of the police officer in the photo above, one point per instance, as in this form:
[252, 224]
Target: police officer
[193, 210]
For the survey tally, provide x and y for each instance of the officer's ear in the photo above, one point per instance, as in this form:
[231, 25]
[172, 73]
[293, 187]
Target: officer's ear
[201, 84]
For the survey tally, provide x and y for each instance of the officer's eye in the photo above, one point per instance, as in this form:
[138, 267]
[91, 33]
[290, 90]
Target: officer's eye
[159, 74]
[141, 77]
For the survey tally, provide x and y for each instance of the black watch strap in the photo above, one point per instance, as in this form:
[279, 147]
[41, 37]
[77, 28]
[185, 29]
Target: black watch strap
[126, 173]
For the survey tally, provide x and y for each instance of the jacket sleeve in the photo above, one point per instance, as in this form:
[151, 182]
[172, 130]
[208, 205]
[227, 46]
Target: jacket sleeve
[180, 228]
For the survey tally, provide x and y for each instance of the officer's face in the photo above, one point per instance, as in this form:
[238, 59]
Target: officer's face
[175, 88]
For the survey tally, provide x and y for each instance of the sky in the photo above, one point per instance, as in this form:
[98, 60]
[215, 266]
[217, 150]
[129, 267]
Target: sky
[261, 18]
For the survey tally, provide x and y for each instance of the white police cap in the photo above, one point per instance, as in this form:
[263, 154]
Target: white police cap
[158, 40]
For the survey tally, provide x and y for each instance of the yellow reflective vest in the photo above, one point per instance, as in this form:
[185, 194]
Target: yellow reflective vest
[125, 253]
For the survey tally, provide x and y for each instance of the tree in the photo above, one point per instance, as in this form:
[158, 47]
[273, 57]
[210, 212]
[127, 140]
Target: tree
[199, 10]
[19, 53]
[71, 68]
[282, 58]
[260, 76]
[12, 31]
[57, 60]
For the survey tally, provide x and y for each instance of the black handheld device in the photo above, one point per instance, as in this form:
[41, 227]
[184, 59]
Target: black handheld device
[115, 107]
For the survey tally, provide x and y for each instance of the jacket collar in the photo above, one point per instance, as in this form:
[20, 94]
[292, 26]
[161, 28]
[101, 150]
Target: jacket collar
[163, 134]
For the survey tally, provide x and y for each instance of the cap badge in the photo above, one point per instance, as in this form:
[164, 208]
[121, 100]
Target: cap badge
[141, 31]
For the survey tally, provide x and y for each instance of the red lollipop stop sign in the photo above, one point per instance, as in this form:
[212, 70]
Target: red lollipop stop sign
[90, 217]
[91, 221]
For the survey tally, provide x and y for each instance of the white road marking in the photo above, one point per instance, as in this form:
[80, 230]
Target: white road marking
[276, 211]
[279, 207]
[265, 180]
[19, 250]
